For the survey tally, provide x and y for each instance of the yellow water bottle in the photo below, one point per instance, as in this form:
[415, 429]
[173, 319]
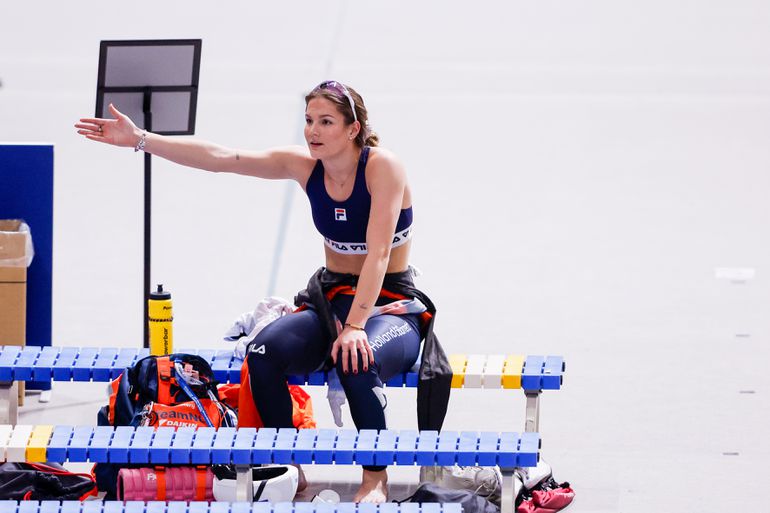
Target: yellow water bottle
[161, 315]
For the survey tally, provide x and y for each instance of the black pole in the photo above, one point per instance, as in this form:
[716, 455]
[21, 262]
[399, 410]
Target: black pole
[147, 218]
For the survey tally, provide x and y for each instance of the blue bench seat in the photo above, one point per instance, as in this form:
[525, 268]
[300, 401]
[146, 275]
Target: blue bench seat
[34, 363]
[244, 446]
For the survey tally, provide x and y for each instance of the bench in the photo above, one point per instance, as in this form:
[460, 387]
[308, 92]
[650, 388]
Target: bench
[532, 374]
[219, 507]
[251, 446]
[244, 447]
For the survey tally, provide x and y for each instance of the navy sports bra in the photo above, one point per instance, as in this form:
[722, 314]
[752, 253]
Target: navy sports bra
[343, 223]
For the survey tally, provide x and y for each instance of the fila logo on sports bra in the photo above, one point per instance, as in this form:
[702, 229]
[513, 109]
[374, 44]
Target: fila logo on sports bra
[340, 214]
[360, 248]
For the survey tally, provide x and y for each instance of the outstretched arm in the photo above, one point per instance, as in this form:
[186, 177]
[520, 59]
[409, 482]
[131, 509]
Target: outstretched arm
[286, 162]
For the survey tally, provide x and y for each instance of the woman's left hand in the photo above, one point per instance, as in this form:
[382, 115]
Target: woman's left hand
[350, 343]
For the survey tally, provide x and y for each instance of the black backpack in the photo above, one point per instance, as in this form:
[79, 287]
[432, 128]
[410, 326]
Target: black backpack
[153, 380]
[37, 481]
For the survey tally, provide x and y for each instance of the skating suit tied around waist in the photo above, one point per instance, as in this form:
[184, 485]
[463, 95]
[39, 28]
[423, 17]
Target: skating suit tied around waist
[343, 223]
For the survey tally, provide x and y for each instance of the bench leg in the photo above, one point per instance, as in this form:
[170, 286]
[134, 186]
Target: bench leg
[532, 422]
[244, 484]
[509, 491]
[9, 403]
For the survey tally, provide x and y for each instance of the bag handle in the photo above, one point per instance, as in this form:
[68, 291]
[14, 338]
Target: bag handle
[164, 379]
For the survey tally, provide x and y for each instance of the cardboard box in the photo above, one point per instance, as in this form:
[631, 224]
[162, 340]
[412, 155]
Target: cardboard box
[14, 259]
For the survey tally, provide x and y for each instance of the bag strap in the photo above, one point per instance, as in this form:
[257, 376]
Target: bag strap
[182, 382]
[201, 474]
[114, 388]
[165, 373]
[160, 480]
[42, 467]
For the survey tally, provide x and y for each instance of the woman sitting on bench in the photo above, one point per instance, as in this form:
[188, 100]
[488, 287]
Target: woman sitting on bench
[361, 311]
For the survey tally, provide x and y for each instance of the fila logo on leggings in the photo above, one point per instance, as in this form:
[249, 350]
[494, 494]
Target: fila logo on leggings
[258, 350]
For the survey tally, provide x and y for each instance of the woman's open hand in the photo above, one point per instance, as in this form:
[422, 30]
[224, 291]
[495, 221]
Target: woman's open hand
[120, 131]
[350, 343]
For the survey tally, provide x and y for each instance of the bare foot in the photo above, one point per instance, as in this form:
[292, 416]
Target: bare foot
[374, 487]
[301, 480]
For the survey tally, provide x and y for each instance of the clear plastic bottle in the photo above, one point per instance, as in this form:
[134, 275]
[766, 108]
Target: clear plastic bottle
[328, 496]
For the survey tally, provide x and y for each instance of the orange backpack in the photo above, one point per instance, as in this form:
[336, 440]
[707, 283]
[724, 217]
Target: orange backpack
[153, 393]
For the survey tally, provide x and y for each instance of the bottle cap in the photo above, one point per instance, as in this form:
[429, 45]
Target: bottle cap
[160, 293]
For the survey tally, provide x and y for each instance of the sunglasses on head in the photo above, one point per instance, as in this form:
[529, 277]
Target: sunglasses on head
[341, 90]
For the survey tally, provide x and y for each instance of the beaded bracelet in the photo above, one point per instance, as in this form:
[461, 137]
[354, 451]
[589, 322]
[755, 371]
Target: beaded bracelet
[140, 145]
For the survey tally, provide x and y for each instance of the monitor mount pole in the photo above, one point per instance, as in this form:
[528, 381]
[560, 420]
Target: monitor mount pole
[146, 104]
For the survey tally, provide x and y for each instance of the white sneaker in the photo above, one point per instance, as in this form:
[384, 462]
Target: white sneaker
[533, 476]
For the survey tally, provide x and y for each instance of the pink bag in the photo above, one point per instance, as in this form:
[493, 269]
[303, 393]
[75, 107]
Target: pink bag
[548, 501]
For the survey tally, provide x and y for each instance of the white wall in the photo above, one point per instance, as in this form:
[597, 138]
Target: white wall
[578, 168]
[593, 162]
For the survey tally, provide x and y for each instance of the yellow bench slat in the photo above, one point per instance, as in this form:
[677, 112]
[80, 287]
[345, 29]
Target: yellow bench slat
[514, 365]
[458, 363]
[38, 443]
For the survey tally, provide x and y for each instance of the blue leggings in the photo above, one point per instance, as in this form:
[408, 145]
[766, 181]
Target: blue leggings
[294, 344]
